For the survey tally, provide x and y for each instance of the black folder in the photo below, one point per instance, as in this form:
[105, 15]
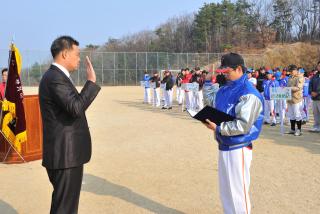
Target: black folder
[212, 114]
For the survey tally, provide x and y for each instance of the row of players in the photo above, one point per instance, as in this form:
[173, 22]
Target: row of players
[263, 79]
[193, 100]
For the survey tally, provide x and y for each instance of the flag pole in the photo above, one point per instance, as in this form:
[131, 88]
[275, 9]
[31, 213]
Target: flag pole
[10, 54]
[5, 89]
[11, 147]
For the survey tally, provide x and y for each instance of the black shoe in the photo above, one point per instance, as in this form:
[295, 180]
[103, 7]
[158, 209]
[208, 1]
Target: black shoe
[163, 108]
[273, 124]
[266, 123]
[290, 132]
[169, 108]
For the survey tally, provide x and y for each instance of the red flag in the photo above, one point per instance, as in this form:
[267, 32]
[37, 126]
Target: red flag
[13, 122]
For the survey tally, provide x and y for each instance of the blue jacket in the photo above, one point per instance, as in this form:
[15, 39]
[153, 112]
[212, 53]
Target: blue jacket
[314, 86]
[306, 87]
[146, 78]
[267, 84]
[283, 82]
[242, 100]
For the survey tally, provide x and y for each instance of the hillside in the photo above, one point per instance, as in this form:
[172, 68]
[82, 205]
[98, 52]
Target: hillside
[302, 54]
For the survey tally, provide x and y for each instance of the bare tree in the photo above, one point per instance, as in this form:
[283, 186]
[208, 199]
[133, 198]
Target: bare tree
[263, 12]
[313, 21]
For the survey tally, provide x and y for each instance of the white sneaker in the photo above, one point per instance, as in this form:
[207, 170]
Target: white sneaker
[297, 133]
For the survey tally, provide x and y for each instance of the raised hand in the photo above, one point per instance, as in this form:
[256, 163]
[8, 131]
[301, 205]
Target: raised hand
[91, 75]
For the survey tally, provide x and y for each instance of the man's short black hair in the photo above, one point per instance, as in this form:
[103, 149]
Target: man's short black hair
[4, 70]
[62, 43]
[292, 67]
[318, 63]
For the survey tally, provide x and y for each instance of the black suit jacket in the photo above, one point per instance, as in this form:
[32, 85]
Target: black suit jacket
[66, 136]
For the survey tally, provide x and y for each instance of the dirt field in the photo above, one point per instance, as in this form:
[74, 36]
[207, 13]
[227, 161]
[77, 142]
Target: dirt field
[147, 160]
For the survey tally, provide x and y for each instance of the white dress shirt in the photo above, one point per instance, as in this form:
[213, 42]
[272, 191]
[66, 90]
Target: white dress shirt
[64, 70]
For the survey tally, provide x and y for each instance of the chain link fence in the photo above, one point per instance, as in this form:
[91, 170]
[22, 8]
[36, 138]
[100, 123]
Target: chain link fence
[119, 68]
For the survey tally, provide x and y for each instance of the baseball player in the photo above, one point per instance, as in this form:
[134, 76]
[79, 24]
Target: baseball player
[281, 105]
[188, 94]
[168, 81]
[240, 99]
[147, 90]
[306, 97]
[197, 101]
[156, 90]
[269, 114]
[251, 79]
[180, 92]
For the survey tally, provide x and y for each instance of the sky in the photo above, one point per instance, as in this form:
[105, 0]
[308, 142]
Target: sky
[34, 24]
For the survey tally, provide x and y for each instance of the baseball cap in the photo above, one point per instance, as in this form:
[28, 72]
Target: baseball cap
[232, 60]
[301, 70]
[249, 70]
[269, 71]
[277, 75]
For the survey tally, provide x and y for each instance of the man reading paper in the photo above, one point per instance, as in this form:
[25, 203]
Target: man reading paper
[240, 99]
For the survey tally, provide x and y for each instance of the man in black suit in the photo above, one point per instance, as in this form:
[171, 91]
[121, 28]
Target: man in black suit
[66, 136]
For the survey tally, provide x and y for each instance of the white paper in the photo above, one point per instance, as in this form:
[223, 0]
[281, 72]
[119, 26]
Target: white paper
[192, 112]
